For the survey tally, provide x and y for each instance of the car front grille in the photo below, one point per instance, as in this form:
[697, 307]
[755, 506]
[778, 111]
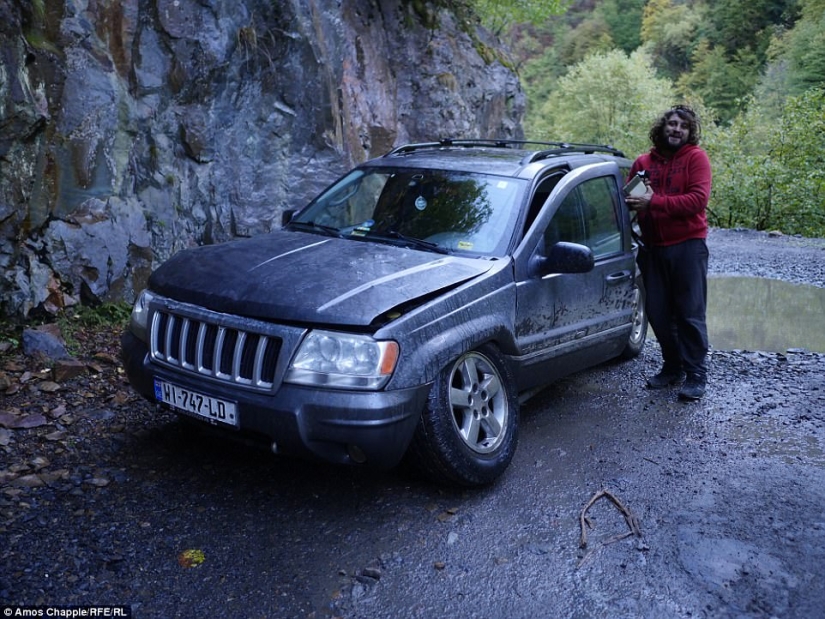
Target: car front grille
[225, 353]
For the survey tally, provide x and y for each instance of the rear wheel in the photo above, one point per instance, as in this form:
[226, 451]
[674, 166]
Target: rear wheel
[468, 434]
[638, 333]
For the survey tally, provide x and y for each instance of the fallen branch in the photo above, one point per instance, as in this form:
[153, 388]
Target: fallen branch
[584, 522]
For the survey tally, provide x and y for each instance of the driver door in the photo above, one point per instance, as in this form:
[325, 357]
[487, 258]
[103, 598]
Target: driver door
[566, 321]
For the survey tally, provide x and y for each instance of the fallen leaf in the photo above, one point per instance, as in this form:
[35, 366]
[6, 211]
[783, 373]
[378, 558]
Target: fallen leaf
[191, 558]
[121, 397]
[106, 358]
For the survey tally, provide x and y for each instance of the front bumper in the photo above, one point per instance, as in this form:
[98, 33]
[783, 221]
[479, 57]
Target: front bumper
[333, 425]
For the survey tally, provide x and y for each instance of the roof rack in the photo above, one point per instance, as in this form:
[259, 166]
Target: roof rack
[557, 148]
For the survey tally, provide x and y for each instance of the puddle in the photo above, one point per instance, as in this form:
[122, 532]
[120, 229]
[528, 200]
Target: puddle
[754, 313]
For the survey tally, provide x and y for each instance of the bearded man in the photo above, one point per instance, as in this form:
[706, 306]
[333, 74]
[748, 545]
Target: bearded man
[674, 257]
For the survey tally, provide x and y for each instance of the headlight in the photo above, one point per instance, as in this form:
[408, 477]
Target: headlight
[139, 321]
[343, 360]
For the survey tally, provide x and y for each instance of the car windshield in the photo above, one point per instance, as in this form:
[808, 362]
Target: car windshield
[428, 209]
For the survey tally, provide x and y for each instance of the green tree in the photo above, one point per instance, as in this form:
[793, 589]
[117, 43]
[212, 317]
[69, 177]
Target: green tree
[673, 31]
[624, 20]
[608, 98]
[498, 15]
[745, 24]
[721, 83]
[539, 78]
[770, 174]
[591, 36]
[806, 50]
[796, 60]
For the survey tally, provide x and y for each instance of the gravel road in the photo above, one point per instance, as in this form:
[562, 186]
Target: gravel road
[104, 500]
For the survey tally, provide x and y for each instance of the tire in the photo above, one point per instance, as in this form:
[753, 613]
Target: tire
[638, 334]
[469, 431]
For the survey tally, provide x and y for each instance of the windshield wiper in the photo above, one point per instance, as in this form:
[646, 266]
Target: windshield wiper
[328, 230]
[412, 241]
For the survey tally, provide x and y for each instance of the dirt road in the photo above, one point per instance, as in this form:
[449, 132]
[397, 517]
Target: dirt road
[105, 501]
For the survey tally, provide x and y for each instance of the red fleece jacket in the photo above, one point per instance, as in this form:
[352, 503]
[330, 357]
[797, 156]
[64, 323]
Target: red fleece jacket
[681, 189]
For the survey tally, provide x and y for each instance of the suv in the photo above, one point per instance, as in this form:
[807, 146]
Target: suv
[406, 311]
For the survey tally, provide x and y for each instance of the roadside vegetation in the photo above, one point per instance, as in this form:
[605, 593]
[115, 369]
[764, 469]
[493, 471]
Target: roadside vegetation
[80, 327]
[602, 70]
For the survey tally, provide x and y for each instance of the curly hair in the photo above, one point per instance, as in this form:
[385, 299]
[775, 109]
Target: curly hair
[686, 113]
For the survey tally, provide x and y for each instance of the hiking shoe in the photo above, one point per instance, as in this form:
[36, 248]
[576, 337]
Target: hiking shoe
[693, 389]
[666, 378]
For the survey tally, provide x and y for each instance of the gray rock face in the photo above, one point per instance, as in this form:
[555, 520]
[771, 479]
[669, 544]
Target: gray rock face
[132, 129]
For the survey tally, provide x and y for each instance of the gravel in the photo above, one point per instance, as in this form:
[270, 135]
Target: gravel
[792, 259]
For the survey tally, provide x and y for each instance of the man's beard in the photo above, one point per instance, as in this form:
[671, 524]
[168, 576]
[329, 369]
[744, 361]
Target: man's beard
[666, 145]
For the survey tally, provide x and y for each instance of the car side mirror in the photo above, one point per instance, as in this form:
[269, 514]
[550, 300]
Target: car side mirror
[287, 216]
[565, 257]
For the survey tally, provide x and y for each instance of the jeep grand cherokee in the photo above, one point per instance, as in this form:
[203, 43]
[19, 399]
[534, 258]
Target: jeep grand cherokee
[405, 311]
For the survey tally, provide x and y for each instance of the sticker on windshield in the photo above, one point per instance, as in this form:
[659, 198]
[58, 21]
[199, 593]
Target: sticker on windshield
[421, 203]
[465, 245]
[364, 229]
[502, 185]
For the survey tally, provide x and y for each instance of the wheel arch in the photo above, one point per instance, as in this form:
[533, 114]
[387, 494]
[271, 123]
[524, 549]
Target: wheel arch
[432, 352]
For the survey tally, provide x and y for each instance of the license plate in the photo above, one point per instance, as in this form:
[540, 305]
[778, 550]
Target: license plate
[196, 404]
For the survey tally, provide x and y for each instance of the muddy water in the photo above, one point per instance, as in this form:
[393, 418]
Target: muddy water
[753, 313]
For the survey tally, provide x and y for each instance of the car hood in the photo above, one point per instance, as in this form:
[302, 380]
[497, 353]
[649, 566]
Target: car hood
[301, 277]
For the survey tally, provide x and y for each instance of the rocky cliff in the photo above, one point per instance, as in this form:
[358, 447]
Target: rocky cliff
[130, 129]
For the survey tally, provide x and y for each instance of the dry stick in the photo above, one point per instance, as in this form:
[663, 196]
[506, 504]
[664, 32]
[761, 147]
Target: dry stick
[584, 522]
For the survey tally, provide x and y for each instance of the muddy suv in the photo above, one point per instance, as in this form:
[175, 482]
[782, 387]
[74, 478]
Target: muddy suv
[406, 311]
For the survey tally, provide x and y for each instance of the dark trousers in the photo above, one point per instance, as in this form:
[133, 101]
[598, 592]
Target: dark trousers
[675, 280]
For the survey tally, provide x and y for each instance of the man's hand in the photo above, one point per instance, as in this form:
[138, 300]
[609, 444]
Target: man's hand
[640, 203]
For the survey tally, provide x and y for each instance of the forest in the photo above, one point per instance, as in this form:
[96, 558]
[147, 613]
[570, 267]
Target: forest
[602, 70]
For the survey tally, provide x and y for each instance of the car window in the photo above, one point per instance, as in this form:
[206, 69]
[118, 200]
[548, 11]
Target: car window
[588, 215]
[455, 210]
[600, 204]
[349, 201]
[543, 190]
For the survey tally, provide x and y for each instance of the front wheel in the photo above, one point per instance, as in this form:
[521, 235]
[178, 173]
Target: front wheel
[468, 434]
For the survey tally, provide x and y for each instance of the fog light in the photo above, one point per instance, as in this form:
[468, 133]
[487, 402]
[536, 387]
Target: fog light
[356, 455]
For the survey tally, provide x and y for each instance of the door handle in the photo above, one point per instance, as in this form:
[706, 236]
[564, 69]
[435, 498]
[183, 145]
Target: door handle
[618, 278]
